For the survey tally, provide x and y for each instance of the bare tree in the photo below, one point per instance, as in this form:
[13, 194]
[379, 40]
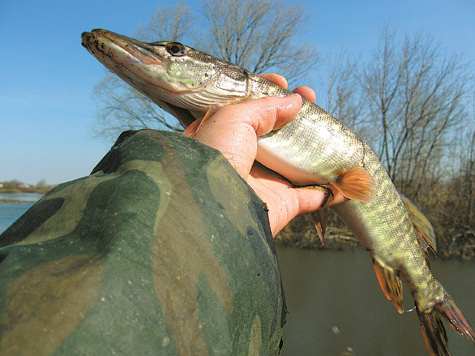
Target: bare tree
[452, 203]
[380, 80]
[416, 96]
[170, 23]
[258, 35]
[466, 188]
[471, 182]
[344, 95]
[121, 108]
[409, 102]
[461, 184]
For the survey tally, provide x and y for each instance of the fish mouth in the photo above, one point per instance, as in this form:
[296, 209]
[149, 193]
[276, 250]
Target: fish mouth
[145, 66]
[123, 51]
[128, 59]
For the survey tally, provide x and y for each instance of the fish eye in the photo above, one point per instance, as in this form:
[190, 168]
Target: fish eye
[175, 49]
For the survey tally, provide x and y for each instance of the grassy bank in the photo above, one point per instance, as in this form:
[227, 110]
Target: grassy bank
[37, 190]
[301, 233]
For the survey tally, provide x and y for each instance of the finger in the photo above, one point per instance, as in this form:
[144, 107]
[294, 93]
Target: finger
[276, 79]
[282, 110]
[314, 198]
[233, 129]
[309, 198]
[263, 115]
[306, 92]
[271, 178]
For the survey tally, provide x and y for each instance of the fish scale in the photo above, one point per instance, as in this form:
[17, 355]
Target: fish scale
[313, 149]
[345, 151]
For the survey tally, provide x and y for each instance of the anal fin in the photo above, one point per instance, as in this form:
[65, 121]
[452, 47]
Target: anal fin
[391, 285]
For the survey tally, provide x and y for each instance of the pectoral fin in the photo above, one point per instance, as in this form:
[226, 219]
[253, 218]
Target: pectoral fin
[421, 224]
[194, 127]
[391, 285]
[355, 184]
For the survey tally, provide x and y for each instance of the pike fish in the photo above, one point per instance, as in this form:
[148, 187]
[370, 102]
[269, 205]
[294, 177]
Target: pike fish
[313, 149]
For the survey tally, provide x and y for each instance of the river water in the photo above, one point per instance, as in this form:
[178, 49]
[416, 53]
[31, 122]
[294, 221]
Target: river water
[335, 304]
[10, 212]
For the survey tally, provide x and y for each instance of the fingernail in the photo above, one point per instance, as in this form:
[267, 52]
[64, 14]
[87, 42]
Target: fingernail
[290, 106]
[294, 96]
[328, 195]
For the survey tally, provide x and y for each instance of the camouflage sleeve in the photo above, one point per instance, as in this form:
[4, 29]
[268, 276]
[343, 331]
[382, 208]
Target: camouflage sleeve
[164, 249]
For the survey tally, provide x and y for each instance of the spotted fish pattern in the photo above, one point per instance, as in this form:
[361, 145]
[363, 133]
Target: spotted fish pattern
[163, 249]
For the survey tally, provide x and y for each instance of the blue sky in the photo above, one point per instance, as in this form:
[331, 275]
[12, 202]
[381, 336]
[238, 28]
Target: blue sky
[47, 110]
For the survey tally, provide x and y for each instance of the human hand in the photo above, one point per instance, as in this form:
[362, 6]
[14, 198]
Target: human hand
[234, 129]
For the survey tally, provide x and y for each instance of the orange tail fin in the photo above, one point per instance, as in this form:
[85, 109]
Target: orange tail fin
[433, 330]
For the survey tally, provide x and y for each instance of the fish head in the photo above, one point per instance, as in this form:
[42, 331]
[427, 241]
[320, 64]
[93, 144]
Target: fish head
[180, 79]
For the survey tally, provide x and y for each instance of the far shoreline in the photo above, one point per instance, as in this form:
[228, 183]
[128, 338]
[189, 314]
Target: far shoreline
[29, 190]
[17, 201]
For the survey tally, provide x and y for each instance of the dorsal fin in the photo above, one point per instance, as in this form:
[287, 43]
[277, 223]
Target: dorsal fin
[355, 184]
[391, 285]
[421, 224]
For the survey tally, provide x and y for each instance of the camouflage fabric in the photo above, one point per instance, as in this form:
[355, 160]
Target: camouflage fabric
[163, 250]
